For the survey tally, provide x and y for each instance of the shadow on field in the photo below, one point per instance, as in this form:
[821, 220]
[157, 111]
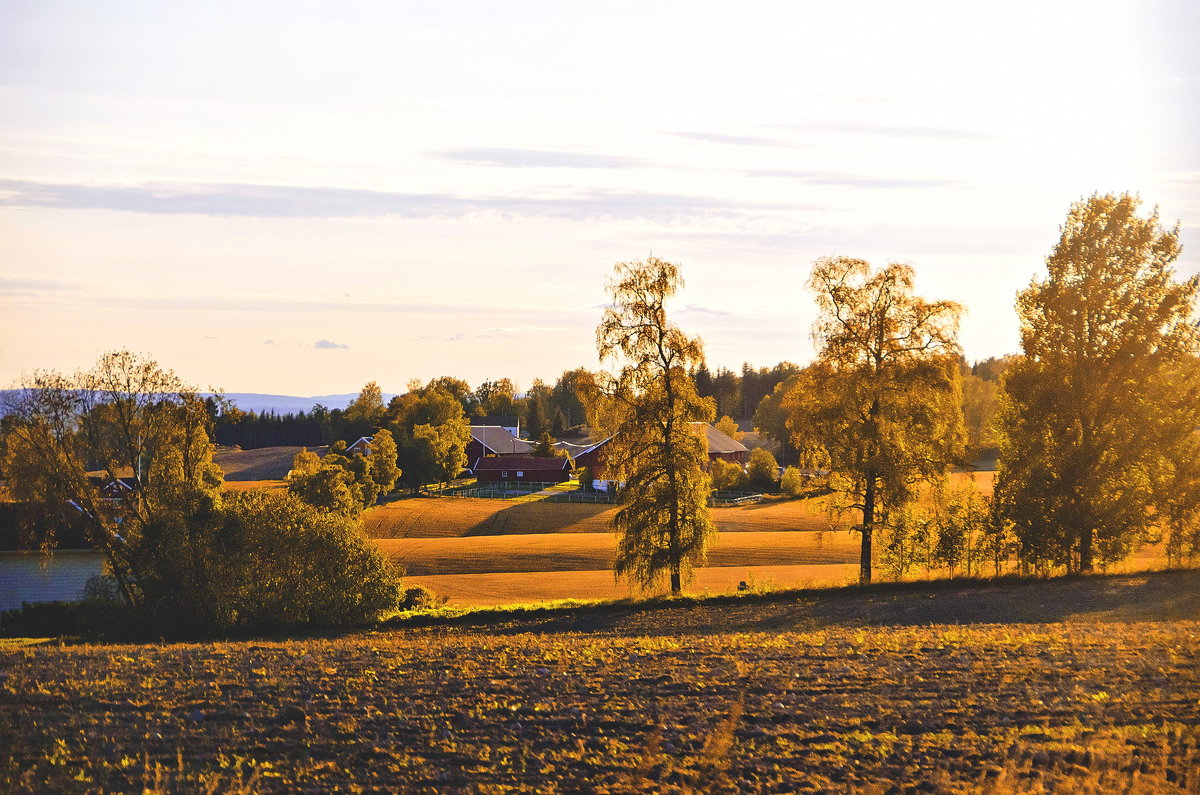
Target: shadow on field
[536, 518]
[1155, 596]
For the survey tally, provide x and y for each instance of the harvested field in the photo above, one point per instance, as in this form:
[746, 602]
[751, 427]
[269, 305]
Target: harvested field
[443, 517]
[590, 551]
[261, 463]
[932, 687]
[490, 590]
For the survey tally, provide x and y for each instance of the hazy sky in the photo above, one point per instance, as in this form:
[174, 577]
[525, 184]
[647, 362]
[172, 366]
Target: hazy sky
[301, 197]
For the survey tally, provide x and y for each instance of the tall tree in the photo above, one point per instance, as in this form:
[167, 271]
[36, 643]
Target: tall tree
[663, 523]
[367, 409]
[1091, 409]
[882, 403]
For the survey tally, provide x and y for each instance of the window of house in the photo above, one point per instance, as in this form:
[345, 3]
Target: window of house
[520, 474]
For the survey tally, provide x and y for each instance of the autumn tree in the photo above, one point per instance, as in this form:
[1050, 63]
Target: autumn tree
[663, 523]
[1096, 411]
[729, 427]
[882, 403]
[368, 406]
[127, 418]
[762, 470]
[437, 452]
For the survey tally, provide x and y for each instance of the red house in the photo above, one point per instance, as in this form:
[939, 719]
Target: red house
[361, 447]
[522, 469]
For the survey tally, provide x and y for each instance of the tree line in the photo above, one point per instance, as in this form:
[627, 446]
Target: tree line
[1096, 423]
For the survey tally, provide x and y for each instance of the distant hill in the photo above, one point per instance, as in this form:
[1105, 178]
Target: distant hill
[280, 404]
[290, 404]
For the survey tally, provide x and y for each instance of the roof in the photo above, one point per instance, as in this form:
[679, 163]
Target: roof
[521, 462]
[719, 442]
[575, 450]
[503, 420]
[499, 440]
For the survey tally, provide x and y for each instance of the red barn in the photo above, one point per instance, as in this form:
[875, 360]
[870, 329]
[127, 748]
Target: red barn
[522, 469]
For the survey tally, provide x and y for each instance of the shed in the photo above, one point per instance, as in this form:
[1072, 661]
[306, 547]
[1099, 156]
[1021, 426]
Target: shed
[522, 469]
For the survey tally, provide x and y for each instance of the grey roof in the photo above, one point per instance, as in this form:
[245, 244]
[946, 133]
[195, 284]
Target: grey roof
[719, 442]
[499, 440]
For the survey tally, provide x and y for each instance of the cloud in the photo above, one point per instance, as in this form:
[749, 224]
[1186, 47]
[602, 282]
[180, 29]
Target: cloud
[21, 286]
[288, 201]
[535, 158]
[703, 310]
[268, 342]
[888, 130]
[843, 179]
[326, 345]
[736, 140]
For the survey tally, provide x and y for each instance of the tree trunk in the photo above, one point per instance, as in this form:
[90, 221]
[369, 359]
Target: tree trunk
[868, 526]
[676, 580]
[1086, 563]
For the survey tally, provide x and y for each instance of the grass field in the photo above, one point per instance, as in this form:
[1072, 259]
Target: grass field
[1081, 685]
[440, 517]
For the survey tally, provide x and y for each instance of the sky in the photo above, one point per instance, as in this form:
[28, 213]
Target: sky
[300, 197]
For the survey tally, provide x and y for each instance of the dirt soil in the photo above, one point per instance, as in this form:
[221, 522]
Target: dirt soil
[1084, 685]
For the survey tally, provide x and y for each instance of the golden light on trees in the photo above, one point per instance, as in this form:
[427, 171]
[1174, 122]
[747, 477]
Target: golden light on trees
[1099, 414]
[881, 405]
[663, 523]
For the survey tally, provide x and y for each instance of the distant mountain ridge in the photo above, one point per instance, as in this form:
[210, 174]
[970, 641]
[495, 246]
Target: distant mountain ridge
[261, 403]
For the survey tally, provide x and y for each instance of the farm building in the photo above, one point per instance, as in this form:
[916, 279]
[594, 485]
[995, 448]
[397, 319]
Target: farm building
[509, 423]
[719, 445]
[494, 440]
[522, 469]
[360, 447]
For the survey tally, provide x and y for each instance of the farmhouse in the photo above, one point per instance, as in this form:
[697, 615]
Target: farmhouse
[494, 440]
[509, 423]
[719, 445]
[360, 447]
[522, 469]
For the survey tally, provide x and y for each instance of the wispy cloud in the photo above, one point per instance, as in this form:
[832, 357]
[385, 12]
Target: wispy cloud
[285, 201]
[327, 345]
[703, 310]
[887, 130]
[839, 178]
[535, 158]
[735, 140]
[23, 286]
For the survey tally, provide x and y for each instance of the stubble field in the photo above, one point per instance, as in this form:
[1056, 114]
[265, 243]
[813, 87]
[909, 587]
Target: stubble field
[1079, 685]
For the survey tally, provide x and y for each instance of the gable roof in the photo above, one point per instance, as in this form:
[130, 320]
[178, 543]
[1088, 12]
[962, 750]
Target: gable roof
[522, 462]
[499, 440]
[574, 450]
[717, 441]
[503, 420]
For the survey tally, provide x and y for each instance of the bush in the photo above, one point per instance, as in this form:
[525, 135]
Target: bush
[419, 597]
[792, 482]
[293, 565]
[727, 476]
[762, 470]
[262, 561]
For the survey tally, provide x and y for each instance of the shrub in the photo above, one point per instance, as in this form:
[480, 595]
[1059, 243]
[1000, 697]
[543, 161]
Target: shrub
[762, 470]
[291, 564]
[263, 561]
[418, 597]
[727, 476]
[792, 482]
